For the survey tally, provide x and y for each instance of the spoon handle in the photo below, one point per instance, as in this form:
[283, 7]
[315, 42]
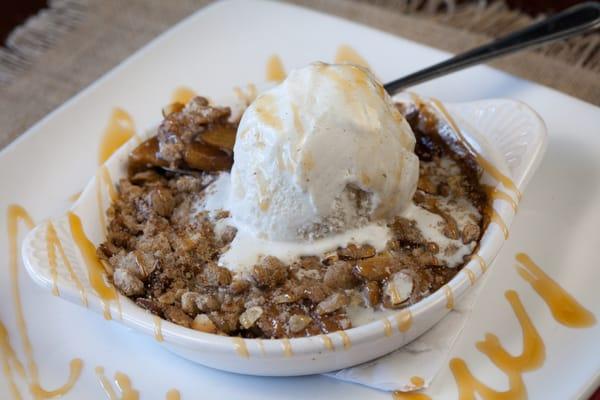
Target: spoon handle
[572, 21]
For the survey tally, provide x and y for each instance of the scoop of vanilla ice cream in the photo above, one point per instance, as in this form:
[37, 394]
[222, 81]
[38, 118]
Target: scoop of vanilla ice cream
[323, 152]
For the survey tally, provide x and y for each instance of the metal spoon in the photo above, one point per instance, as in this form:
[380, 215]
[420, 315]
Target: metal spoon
[573, 21]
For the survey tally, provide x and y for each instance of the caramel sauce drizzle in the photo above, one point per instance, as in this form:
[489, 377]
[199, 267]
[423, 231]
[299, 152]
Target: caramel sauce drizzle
[266, 108]
[125, 387]
[183, 95]
[495, 193]
[348, 86]
[565, 309]
[10, 360]
[75, 367]
[53, 244]
[100, 201]
[50, 241]
[327, 342]
[297, 121]
[404, 320]
[74, 197]
[470, 275]
[158, 328]
[492, 215]
[173, 394]
[248, 95]
[123, 384]
[417, 381]
[387, 327]
[275, 72]
[345, 340]
[240, 347]
[103, 178]
[95, 269]
[531, 358]
[119, 130]
[108, 182]
[481, 261]
[410, 396]
[485, 164]
[488, 167]
[287, 347]
[105, 383]
[347, 55]
[563, 306]
[449, 297]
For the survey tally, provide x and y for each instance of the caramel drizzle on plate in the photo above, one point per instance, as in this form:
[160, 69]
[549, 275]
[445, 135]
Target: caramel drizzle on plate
[275, 72]
[532, 357]
[417, 381]
[182, 95]
[246, 96]
[173, 394]
[565, 309]
[119, 130]
[346, 54]
[563, 306]
[10, 361]
[239, 344]
[123, 384]
[105, 292]
[74, 197]
[53, 244]
[410, 396]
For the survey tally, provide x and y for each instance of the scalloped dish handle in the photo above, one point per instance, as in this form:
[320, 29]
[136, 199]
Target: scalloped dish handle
[513, 128]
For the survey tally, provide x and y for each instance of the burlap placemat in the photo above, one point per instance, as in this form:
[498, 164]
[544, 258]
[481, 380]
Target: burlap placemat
[74, 42]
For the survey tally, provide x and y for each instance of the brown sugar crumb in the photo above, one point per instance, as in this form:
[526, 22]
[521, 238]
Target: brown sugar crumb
[270, 273]
[470, 233]
[163, 253]
[340, 276]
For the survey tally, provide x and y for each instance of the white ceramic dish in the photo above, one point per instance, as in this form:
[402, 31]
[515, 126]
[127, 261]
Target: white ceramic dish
[556, 224]
[506, 132]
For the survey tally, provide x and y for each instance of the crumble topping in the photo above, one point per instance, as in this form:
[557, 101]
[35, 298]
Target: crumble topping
[162, 249]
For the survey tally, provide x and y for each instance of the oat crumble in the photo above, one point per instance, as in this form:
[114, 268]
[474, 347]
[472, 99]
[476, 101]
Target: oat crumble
[163, 253]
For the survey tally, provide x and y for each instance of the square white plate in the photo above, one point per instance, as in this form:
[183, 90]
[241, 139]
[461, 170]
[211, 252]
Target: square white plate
[227, 45]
